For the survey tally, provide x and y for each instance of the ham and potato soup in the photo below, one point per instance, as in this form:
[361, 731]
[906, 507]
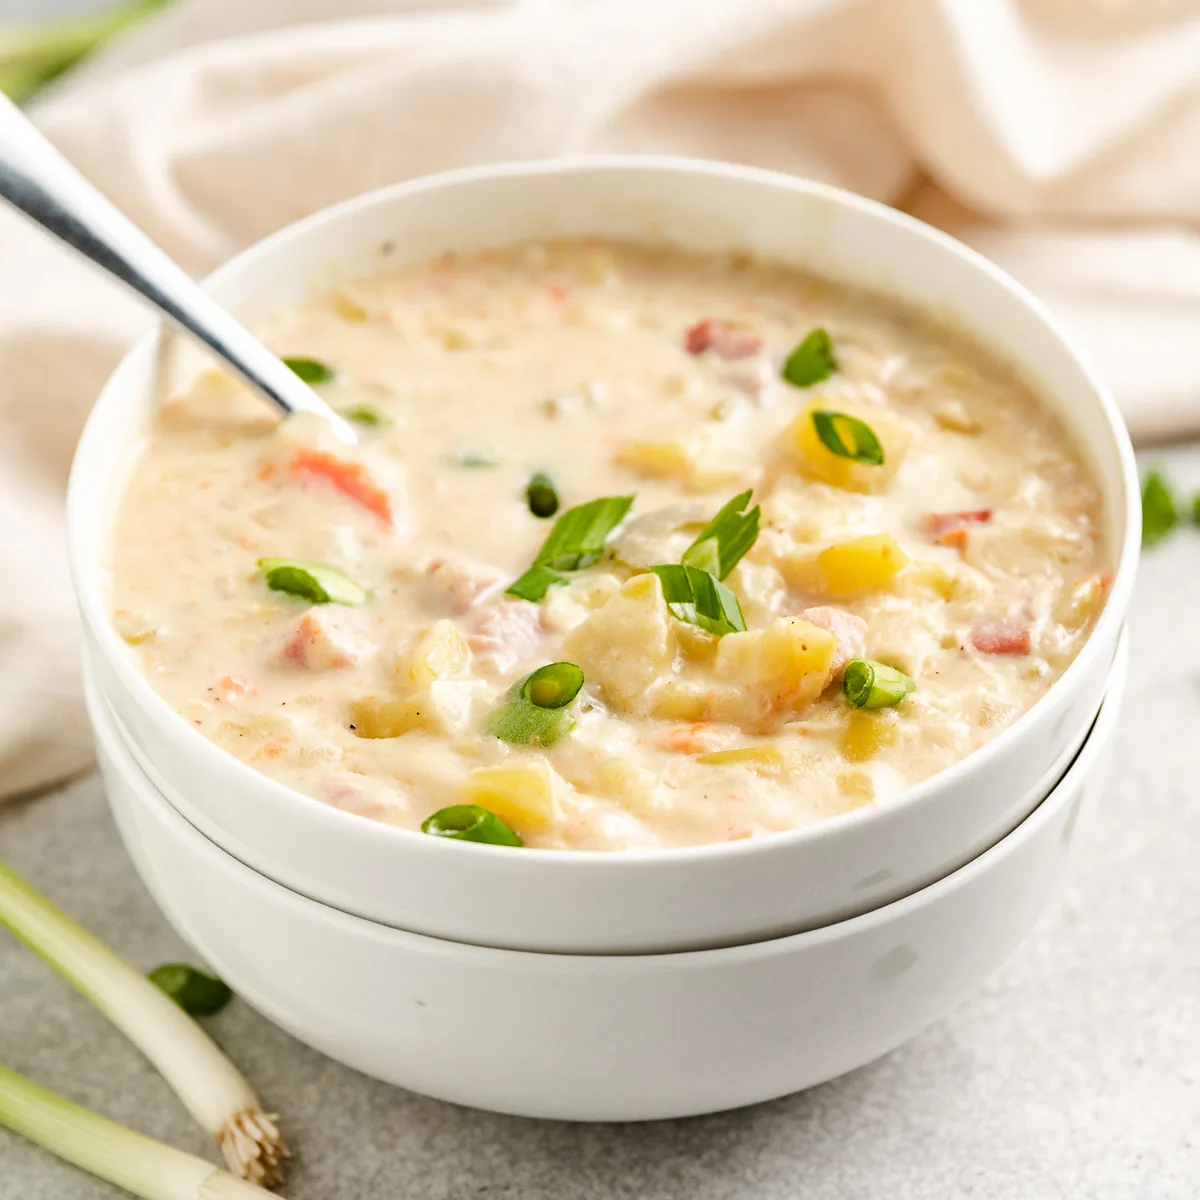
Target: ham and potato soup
[638, 548]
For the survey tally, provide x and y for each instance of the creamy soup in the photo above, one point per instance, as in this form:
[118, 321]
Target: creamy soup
[919, 557]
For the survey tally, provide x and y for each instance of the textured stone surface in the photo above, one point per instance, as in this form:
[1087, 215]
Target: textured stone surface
[1073, 1075]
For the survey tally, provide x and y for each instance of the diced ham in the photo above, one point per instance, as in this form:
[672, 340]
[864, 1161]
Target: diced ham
[950, 528]
[317, 643]
[722, 339]
[504, 633]
[850, 631]
[1001, 637]
[463, 584]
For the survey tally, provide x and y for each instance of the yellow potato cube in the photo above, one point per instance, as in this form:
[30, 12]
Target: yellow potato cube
[861, 564]
[440, 708]
[627, 645]
[656, 460]
[441, 652]
[766, 760]
[678, 702]
[866, 733]
[521, 793]
[804, 446]
[925, 579]
[774, 672]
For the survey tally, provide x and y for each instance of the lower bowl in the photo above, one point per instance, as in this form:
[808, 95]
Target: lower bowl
[583, 1037]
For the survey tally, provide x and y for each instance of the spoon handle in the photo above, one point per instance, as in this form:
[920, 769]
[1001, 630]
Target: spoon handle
[38, 181]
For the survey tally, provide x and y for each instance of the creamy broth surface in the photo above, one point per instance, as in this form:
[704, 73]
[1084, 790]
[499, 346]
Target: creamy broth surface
[972, 560]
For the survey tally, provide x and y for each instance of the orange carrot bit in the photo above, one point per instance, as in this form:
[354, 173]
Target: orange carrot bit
[273, 749]
[235, 685]
[266, 471]
[558, 293]
[350, 478]
[688, 739]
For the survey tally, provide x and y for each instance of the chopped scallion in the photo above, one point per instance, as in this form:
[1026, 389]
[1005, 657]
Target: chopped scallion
[311, 370]
[535, 583]
[870, 684]
[553, 686]
[314, 582]
[470, 823]
[196, 993]
[1159, 514]
[541, 496]
[848, 437]
[811, 361]
[522, 723]
[725, 539]
[698, 598]
[364, 414]
[475, 458]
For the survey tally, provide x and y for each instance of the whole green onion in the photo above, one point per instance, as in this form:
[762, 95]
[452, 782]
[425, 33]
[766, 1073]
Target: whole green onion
[196, 993]
[870, 684]
[470, 823]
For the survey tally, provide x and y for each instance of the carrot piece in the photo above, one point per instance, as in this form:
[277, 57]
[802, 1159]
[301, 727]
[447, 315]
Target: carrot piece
[350, 478]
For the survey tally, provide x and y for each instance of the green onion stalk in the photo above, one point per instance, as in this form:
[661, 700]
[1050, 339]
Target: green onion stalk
[110, 1151]
[209, 1085]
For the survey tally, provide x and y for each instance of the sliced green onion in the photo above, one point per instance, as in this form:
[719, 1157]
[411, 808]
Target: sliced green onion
[1159, 514]
[541, 496]
[311, 370]
[522, 723]
[364, 414]
[1195, 513]
[811, 361]
[314, 582]
[725, 539]
[110, 1151]
[576, 541]
[553, 686]
[209, 1085]
[198, 994]
[471, 823]
[698, 598]
[834, 428]
[870, 684]
[474, 458]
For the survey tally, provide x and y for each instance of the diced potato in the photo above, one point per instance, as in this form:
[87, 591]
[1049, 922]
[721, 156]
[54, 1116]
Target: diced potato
[775, 671]
[627, 645]
[443, 707]
[134, 628]
[926, 579]
[857, 788]
[655, 460]
[674, 701]
[804, 446]
[633, 786]
[866, 734]
[521, 793]
[862, 564]
[696, 644]
[1081, 602]
[441, 652]
[766, 760]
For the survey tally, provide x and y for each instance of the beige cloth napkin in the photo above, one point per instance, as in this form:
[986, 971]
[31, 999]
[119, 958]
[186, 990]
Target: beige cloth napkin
[1057, 136]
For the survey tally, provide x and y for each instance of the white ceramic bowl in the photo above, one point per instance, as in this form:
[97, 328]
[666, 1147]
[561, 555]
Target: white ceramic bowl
[596, 902]
[613, 1037]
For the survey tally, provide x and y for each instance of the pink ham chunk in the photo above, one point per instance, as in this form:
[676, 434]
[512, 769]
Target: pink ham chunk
[1009, 637]
[850, 631]
[504, 633]
[950, 528]
[317, 643]
[722, 339]
[463, 585]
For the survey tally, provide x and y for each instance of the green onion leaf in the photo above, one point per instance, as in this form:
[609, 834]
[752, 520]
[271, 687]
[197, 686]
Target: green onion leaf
[474, 458]
[1195, 513]
[698, 598]
[314, 582]
[870, 684]
[520, 722]
[1159, 515]
[364, 414]
[195, 992]
[834, 428]
[471, 823]
[725, 539]
[553, 685]
[576, 541]
[811, 361]
[541, 496]
[311, 370]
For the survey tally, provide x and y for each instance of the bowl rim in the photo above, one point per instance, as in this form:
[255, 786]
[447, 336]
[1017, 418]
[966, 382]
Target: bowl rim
[86, 571]
[1074, 778]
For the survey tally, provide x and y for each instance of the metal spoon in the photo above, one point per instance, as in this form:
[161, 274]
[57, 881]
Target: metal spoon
[36, 179]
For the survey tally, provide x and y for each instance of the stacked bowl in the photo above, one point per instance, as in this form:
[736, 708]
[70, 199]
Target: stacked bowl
[590, 985]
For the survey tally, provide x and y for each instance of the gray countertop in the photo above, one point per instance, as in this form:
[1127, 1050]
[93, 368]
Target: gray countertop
[1074, 1074]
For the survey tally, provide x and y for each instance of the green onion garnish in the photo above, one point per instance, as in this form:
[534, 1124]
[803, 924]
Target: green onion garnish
[311, 370]
[314, 582]
[834, 428]
[870, 684]
[195, 992]
[725, 539]
[1159, 515]
[206, 1081]
[110, 1151]
[364, 414]
[522, 723]
[553, 685]
[474, 458]
[470, 823]
[541, 496]
[811, 361]
[576, 541]
[698, 598]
